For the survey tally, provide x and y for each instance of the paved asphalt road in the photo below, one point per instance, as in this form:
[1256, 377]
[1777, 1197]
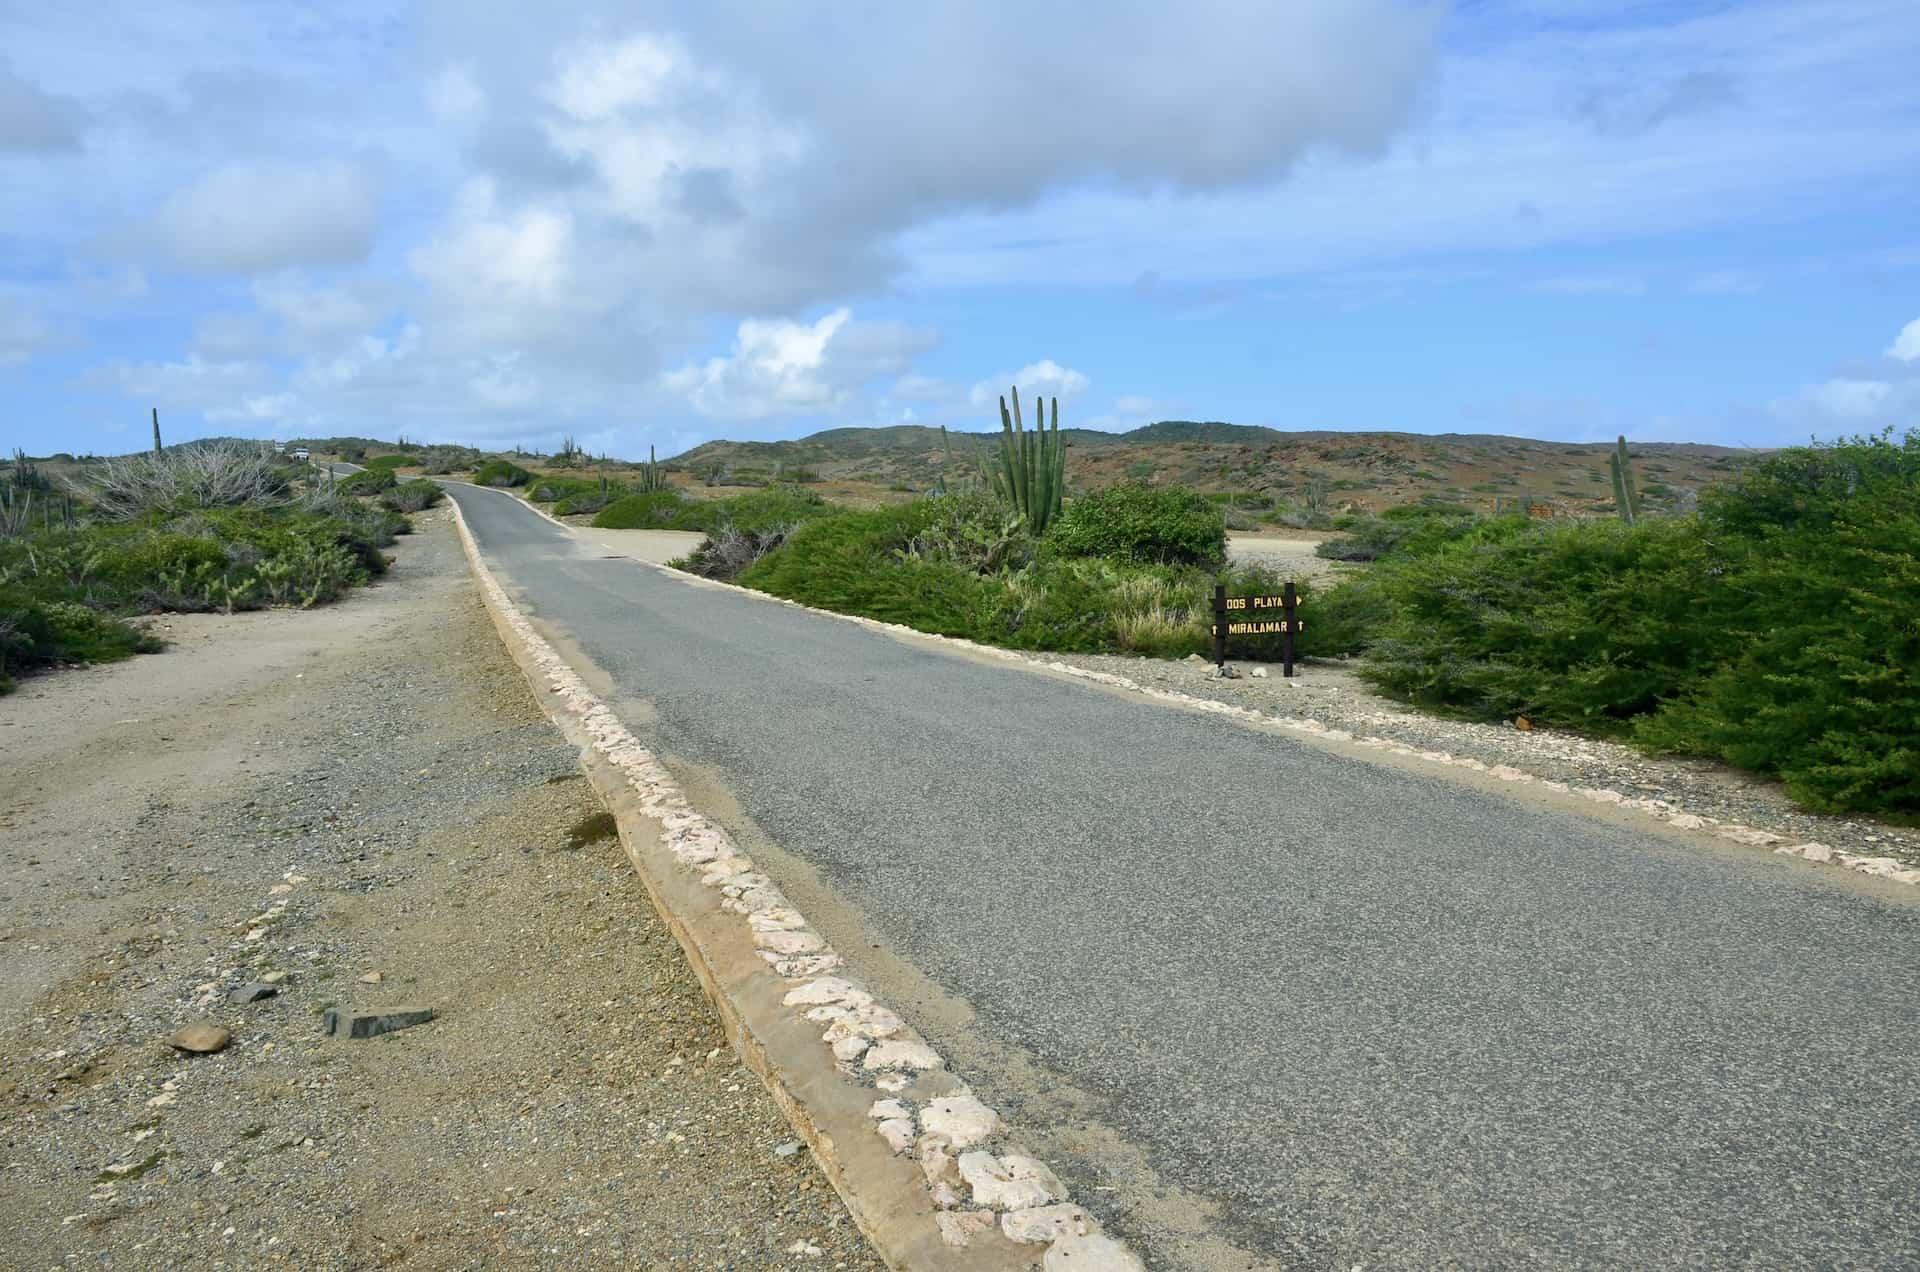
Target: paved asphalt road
[1373, 1018]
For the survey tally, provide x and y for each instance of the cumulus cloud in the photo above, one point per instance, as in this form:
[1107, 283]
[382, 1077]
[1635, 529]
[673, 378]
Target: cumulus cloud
[35, 121]
[790, 368]
[1906, 345]
[1864, 398]
[255, 216]
[23, 332]
[1045, 378]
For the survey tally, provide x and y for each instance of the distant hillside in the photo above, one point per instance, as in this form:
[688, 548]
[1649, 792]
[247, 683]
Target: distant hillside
[1363, 470]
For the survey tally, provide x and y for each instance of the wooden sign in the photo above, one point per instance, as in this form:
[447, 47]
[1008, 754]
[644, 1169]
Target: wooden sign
[1256, 616]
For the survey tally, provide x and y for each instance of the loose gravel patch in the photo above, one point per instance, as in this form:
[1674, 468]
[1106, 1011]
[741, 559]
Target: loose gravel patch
[379, 823]
[1333, 694]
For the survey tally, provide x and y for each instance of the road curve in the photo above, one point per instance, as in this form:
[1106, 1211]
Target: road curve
[1330, 1013]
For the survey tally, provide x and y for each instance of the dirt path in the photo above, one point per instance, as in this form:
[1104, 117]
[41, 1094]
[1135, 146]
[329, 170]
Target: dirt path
[363, 804]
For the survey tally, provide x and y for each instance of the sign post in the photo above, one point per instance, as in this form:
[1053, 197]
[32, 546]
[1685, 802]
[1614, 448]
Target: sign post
[1233, 616]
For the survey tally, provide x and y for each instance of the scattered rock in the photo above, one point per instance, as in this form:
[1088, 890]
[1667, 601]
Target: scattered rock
[274, 978]
[337, 1024]
[964, 1120]
[200, 1039]
[252, 993]
[884, 1109]
[1258, 673]
[960, 1227]
[1092, 1253]
[902, 1054]
[1523, 724]
[898, 1132]
[788, 1149]
[1012, 1182]
[1195, 658]
[1047, 1223]
[371, 978]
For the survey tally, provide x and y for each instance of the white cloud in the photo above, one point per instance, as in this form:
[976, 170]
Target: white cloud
[23, 332]
[488, 263]
[1045, 378]
[788, 368]
[597, 81]
[254, 216]
[1906, 345]
[256, 409]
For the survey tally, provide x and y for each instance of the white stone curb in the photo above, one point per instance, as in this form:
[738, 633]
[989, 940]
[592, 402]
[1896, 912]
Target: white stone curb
[975, 1182]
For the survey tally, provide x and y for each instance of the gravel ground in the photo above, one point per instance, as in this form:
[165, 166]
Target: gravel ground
[1331, 693]
[372, 813]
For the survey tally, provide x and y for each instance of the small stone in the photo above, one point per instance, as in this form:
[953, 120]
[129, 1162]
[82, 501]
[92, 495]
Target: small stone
[828, 989]
[1686, 821]
[785, 942]
[1012, 1182]
[898, 1132]
[883, 1109]
[1092, 1253]
[252, 993]
[964, 1120]
[338, 1024]
[901, 1054]
[803, 1246]
[274, 978]
[959, 1227]
[788, 1149]
[1523, 724]
[1195, 658]
[1047, 1223]
[371, 978]
[200, 1039]
[1812, 852]
[849, 1049]
[1259, 673]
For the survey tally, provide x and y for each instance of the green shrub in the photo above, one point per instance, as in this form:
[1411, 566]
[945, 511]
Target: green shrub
[369, 481]
[39, 632]
[656, 510]
[1410, 529]
[412, 496]
[1166, 525]
[1778, 629]
[553, 489]
[388, 462]
[757, 510]
[498, 472]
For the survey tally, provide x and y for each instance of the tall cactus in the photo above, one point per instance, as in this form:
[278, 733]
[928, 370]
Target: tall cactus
[652, 476]
[1626, 497]
[1032, 473]
[156, 430]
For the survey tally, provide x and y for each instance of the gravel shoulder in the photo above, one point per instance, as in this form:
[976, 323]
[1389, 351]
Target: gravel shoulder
[363, 805]
[1332, 693]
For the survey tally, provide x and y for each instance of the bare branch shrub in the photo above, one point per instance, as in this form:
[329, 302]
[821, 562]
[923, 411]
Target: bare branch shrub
[216, 475]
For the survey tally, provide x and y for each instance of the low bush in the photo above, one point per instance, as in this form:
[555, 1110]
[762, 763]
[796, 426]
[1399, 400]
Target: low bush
[653, 510]
[389, 462]
[369, 481]
[1410, 529]
[1163, 525]
[669, 510]
[1778, 628]
[963, 565]
[498, 472]
[207, 475]
[413, 496]
[38, 632]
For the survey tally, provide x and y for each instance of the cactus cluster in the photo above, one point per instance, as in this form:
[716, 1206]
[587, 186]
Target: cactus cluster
[1032, 472]
[1626, 496]
[652, 477]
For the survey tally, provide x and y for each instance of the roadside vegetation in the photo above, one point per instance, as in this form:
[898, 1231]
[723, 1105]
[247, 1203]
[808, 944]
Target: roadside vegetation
[1776, 628]
[210, 526]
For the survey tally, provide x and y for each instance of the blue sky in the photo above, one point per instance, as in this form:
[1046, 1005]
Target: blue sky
[661, 223]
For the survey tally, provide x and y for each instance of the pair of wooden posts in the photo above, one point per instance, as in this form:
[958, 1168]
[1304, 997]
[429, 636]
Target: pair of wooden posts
[1236, 616]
